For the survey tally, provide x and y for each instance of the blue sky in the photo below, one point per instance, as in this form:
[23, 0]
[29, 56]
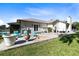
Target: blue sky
[45, 11]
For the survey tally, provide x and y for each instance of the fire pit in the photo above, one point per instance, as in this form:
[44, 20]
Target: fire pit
[9, 39]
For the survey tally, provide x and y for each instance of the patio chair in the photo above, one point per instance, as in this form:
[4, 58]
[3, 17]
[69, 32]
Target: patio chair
[33, 36]
[17, 34]
[26, 35]
[25, 32]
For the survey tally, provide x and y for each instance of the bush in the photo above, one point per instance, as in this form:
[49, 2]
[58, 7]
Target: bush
[49, 29]
[75, 25]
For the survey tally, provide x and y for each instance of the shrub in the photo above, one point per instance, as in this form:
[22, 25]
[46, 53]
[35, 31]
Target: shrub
[75, 25]
[49, 29]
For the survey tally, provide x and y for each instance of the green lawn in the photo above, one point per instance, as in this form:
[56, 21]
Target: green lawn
[68, 45]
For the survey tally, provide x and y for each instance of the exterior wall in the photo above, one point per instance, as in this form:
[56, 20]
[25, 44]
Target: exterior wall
[42, 27]
[51, 26]
[60, 26]
[25, 25]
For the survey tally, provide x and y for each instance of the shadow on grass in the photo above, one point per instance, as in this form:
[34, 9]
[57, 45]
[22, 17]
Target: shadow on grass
[68, 38]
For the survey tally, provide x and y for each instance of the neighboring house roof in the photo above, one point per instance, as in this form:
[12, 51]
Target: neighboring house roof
[33, 20]
[50, 21]
[55, 21]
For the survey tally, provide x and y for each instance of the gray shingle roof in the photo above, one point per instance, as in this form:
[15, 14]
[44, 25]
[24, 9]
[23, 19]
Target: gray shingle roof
[33, 20]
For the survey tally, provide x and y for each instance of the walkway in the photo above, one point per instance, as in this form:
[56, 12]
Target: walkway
[42, 37]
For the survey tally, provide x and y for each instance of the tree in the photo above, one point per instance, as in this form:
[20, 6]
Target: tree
[75, 25]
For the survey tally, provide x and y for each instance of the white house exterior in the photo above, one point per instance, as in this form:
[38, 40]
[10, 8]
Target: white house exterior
[33, 24]
[60, 27]
[40, 25]
[57, 26]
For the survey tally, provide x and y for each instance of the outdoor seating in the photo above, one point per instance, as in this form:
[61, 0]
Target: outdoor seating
[25, 32]
[16, 33]
[26, 35]
[10, 39]
[29, 36]
[33, 35]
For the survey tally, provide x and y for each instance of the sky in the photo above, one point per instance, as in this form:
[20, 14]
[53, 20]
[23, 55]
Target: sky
[10, 12]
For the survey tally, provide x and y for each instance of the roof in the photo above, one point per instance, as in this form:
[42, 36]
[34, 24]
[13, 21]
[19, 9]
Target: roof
[38, 21]
[13, 23]
[56, 21]
[33, 20]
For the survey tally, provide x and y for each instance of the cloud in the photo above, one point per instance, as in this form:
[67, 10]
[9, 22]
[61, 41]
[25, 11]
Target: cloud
[3, 23]
[38, 11]
[54, 12]
[47, 12]
[12, 19]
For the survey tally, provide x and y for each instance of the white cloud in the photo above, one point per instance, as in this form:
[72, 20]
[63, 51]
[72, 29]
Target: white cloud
[3, 23]
[50, 12]
[57, 13]
[13, 19]
[38, 11]
[46, 13]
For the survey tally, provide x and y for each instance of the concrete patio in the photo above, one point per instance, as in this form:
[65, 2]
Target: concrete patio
[42, 37]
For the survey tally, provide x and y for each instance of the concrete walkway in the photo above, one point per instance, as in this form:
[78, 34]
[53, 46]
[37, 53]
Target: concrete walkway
[42, 37]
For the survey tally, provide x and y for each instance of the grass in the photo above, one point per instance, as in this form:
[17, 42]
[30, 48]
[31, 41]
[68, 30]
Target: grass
[67, 45]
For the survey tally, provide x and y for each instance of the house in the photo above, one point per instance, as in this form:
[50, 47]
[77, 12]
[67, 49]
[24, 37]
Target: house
[57, 26]
[34, 24]
[61, 26]
[40, 25]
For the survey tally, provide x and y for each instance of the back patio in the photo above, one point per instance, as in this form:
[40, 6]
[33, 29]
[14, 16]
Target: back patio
[42, 37]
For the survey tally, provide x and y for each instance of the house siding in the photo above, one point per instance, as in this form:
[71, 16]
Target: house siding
[25, 25]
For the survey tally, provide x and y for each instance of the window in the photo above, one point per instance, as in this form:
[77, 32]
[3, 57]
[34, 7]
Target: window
[35, 27]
